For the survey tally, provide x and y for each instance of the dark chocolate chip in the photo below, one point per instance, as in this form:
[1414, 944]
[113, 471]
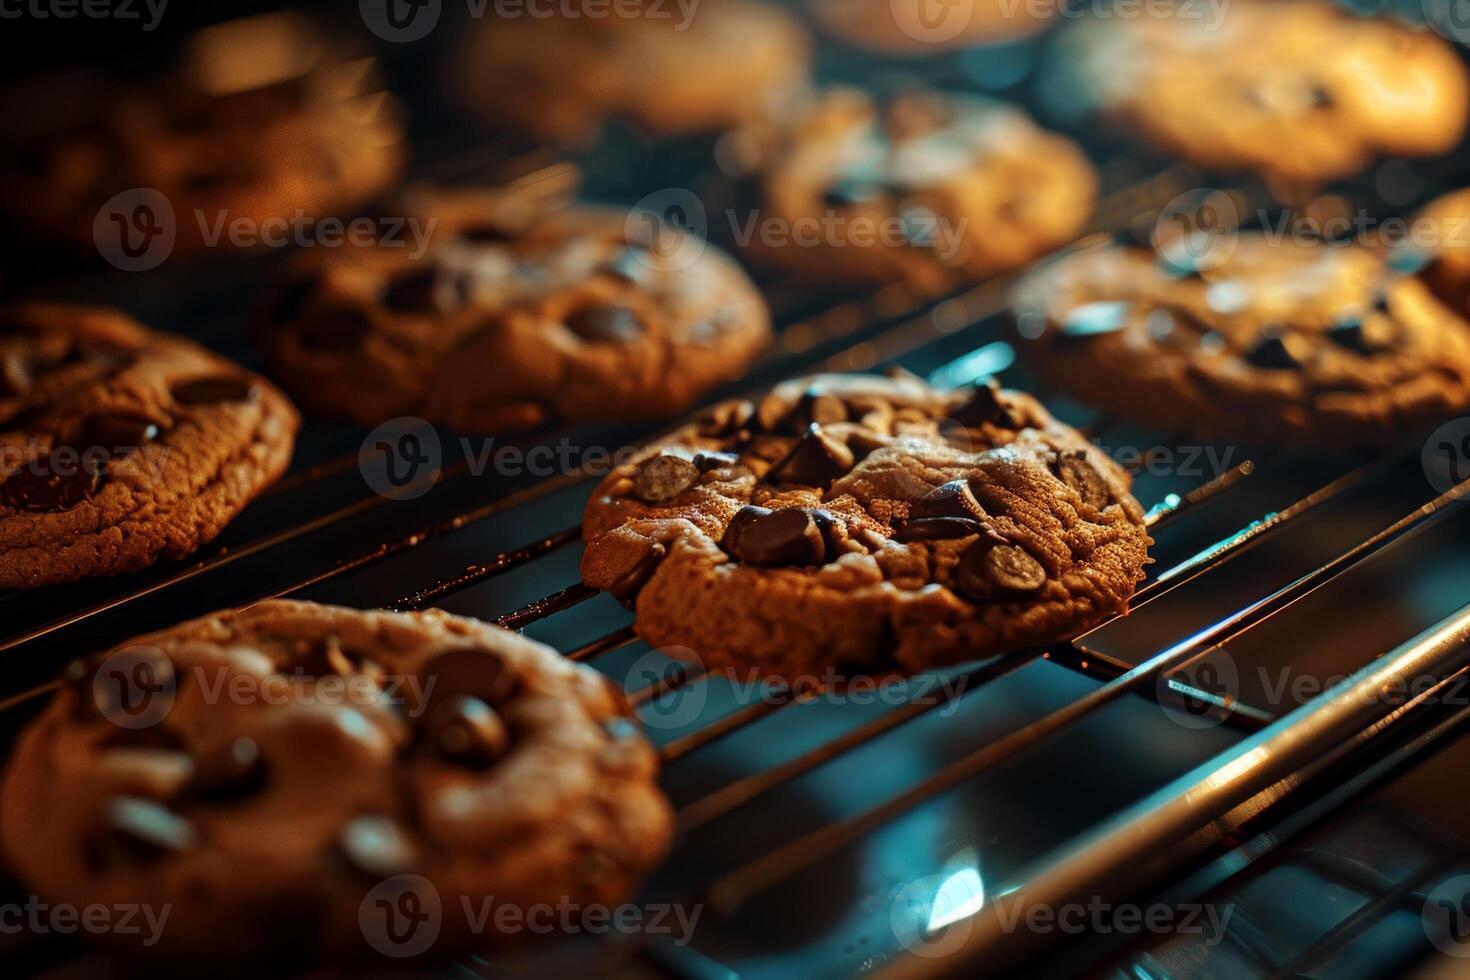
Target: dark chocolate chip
[1095, 319]
[377, 847]
[937, 529]
[212, 390]
[815, 461]
[468, 732]
[422, 290]
[952, 499]
[472, 671]
[56, 483]
[336, 329]
[814, 406]
[485, 233]
[116, 433]
[1077, 472]
[1351, 334]
[663, 478]
[725, 420]
[985, 406]
[631, 582]
[137, 831]
[705, 462]
[605, 324]
[758, 536]
[990, 570]
[1320, 97]
[230, 772]
[1273, 351]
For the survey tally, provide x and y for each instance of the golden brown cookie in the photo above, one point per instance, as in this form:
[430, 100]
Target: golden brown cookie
[866, 525]
[512, 317]
[120, 446]
[1301, 90]
[296, 783]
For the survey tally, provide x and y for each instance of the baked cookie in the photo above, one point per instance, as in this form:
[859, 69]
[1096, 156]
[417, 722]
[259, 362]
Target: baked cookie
[932, 188]
[866, 524]
[513, 316]
[260, 120]
[917, 27]
[668, 70]
[267, 774]
[1300, 90]
[1284, 340]
[119, 446]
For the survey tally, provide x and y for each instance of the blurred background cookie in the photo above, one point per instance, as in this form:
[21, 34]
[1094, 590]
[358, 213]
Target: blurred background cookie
[919, 27]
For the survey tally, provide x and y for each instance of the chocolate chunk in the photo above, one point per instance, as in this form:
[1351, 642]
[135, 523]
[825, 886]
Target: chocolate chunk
[813, 406]
[985, 407]
[725, 420]
[937, 529]
[704, 462]
[1320, 97]
[1351, 334]
[631, 582]
[485, 233]
[1273, 350]
[758, 536]
[847, 191]
[605, 324]
[212, 390]
[952, 499]
[336, 329]
[468, 732]
[116, 433]
[470, 671]
[989, 571]
[136, 831]
[377, 847]
[815, 461]
[663, 478]
[56, 483]
[230, 772]
[1094, 319]
[1077, 472]
[423, 290]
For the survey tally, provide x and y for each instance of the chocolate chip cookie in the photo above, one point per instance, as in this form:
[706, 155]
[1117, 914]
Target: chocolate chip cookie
[919, 27]
[1303, 90]
[259, 120]
[931, 188]
[866, 524]
[513, 316]
[119, 446]
[279, 777]
[1284, 340]
[669, 68]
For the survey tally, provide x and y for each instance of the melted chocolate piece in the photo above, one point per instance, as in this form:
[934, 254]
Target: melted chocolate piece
[56, 483]
[336, 329]
[815, 461]
[985, 407]
[952, 499]
[376, 847]
[707, 461]
[663, 478]
[1272, 351]
[231, 772]
[469, 671]
[605, 324]
[758, 536]
[468, 732]
[937, 529]
[991, 571]
[631, 582]
[116, 433]
[213, 390]
[726, 420]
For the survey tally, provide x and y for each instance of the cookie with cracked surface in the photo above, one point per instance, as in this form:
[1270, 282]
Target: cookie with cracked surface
[122, 446]
[513, 316]
[911, 27]
[866, 524]
[932, 188]
[1303, 91]
[1283, 341]
[667, 70]
[258, 120]
[285, 760]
